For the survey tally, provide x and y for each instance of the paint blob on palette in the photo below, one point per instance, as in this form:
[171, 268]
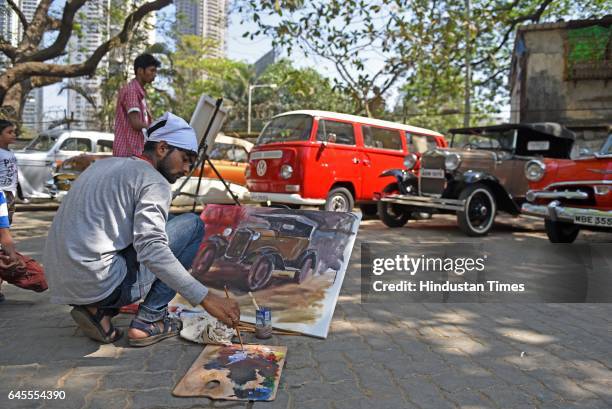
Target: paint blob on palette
[228, 372]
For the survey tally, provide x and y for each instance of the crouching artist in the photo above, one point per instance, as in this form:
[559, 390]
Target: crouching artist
[111, 242]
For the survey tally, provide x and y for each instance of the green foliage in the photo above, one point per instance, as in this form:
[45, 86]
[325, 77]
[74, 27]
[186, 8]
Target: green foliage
[421, 44]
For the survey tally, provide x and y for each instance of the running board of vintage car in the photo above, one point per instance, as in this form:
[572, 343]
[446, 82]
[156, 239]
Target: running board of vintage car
[423, 201]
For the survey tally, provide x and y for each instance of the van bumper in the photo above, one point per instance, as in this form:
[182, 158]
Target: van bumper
[291, 198]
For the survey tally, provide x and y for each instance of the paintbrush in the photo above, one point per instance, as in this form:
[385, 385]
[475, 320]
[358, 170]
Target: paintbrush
[254, 302]
[235, 326]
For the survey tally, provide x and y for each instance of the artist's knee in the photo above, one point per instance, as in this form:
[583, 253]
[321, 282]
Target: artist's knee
[190, 225]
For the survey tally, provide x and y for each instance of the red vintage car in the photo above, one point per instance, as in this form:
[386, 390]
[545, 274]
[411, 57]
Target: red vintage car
[571, 194]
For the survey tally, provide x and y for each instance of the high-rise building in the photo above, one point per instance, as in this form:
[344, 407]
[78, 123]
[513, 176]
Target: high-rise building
[205, 18]
[96, 28]
[11, 30]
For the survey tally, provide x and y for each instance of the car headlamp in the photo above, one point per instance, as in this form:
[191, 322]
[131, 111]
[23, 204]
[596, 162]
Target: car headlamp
[452, 161]
[534, 170]
[227, 231]
[410, 161]
[286, 171]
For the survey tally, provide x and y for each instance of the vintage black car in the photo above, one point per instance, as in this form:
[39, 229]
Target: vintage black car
[479, 175]
[273, 246]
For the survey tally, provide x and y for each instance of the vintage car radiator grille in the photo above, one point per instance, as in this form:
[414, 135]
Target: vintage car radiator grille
[429, 185]
[239, 242]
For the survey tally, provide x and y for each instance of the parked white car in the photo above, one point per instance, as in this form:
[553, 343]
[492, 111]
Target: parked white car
[38, 160]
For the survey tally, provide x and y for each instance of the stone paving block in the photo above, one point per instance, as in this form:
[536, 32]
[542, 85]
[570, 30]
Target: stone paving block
[134, 381]
[298, 377]
[562, 385]
[107, 399]
[335, 371]
[471, 399]
[510, 397]
[424, 393]
[395, 402]
[76, 389]
[161, 398]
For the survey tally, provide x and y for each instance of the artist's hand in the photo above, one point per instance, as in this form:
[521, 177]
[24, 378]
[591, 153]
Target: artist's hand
[225, 310]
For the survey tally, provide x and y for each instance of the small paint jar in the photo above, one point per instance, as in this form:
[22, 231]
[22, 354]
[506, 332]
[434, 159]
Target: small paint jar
[263, 323]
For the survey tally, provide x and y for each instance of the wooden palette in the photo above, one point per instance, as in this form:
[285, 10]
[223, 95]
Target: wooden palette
[227, 372]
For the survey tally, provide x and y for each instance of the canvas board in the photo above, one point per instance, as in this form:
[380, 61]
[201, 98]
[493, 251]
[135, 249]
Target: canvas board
[228, 372]
[293, 261]
[201, 118]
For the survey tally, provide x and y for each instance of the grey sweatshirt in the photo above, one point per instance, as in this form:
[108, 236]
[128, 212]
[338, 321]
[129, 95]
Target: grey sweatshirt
[114, 203]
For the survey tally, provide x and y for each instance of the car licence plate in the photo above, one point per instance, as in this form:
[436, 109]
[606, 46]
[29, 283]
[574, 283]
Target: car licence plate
[259, 197]
[599, 221]
[432, 173]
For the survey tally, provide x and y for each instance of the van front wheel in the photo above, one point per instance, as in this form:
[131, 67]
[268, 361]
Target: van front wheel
[339, 200]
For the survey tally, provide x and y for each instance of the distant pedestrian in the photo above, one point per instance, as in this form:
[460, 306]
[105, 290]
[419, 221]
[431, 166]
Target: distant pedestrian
[132, 116]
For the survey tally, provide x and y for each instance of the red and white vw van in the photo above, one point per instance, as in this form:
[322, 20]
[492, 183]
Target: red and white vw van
[329, 159]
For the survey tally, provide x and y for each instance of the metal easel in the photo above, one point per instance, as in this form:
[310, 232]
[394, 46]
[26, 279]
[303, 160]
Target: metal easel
[202, 158]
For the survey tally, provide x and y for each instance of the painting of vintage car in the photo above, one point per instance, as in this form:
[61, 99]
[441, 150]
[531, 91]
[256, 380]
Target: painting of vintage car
[277, 247]
[479, 175]
[293, 261]
[571, 195]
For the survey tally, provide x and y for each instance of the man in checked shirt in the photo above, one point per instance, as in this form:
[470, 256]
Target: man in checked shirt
[132, 115]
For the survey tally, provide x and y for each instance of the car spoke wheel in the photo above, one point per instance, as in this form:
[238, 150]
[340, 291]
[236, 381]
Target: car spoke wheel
[204, 261]
[260, 273]
[306, 271]
[392, 214]
[480, 208]
[339, 200]
[560, 232]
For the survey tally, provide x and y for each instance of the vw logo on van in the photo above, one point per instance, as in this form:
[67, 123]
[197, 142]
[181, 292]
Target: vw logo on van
[261, 167]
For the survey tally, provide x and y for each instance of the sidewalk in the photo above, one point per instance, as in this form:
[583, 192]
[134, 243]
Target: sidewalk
[376, 356]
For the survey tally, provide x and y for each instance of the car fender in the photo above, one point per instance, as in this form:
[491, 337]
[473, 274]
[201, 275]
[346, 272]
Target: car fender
[396, 173]
[307, 253]
[278, 261]
[504, 199]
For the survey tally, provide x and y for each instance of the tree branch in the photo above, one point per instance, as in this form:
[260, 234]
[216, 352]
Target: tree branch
[7, 49]
[24, 70]
[63, 36]
[17, 10]
[534, 17]
[53, 23]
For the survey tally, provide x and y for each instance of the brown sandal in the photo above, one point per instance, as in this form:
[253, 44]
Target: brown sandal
[91, 325]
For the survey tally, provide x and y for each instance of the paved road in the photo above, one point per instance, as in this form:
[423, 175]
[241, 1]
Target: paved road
[387, 355]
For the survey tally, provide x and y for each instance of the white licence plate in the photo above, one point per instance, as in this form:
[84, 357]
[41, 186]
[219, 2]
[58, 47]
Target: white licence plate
[259, 197]
[432, 173]
[602, 221]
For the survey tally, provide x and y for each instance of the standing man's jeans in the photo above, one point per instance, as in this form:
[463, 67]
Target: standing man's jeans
[185, 233]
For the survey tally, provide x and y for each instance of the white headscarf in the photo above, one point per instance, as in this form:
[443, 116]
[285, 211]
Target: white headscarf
[175, 131]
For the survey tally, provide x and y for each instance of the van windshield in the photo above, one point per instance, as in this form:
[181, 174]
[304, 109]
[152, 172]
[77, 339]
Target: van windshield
[286, 128]
[42, 143]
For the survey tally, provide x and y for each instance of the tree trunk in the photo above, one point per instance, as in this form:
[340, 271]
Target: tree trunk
[15, 100]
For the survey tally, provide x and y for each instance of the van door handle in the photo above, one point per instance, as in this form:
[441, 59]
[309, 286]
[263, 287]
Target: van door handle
[355, 161]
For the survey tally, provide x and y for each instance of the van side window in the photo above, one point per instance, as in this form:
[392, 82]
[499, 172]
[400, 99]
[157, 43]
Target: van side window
[104, 146]
[381, 138]
[76, 144]
[420, 143]
[335, 132]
